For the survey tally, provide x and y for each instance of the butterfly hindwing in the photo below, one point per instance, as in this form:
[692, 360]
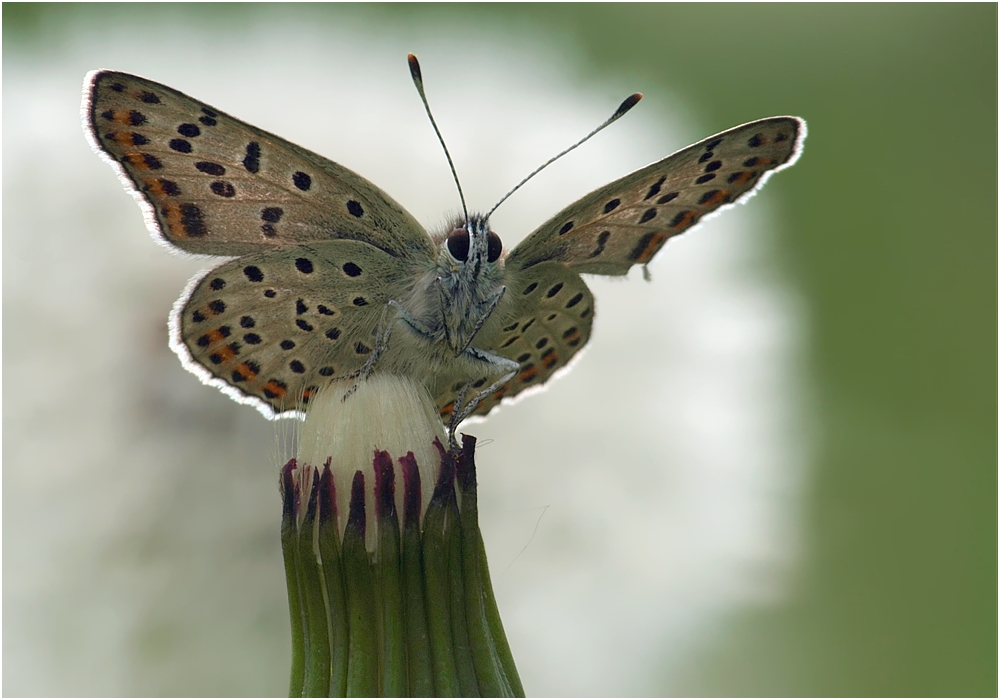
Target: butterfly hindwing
[215, 185]
[271, 328]
[544, 319]
[628, 221]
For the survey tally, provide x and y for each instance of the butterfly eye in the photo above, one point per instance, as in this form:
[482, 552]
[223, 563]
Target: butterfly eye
[458, 244]
[495, 247]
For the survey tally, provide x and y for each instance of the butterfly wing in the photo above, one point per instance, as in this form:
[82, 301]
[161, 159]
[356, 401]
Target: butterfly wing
[627, 222]
[212, 184]
[548, 311]
[543, 320]
[272, 327]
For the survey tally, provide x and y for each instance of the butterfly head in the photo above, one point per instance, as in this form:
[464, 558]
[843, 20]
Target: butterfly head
[471, 244]
[468, 279]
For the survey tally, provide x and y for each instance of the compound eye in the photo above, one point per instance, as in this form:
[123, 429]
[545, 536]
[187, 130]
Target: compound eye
[458, 244]
[495, 247]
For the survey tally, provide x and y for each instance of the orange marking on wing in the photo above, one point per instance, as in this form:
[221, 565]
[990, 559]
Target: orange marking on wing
[446, 410]
[718, 198]
[122, 116]
[550, 360]
[743, 177]
[172, 213]
[575, 335]
[499, 393]
[653, 245]
[214, 337]
[226, 353]
[155, 187]
[528, 375]
[246, 370]
[139, 161]
[308, 394]
[122, 138]
[273, 387]
[685, 220]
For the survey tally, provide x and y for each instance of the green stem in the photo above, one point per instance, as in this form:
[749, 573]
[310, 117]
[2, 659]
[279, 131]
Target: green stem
[288, 548]
[418, 648]
[490, 673]
[362, 668]
[489, 599]
[317, 661]
[437, 589]
[390, 583]
[459, 627]
[333, 577]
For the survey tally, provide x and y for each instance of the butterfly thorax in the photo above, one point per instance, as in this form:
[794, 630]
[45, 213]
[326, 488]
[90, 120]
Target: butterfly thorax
[464, 286]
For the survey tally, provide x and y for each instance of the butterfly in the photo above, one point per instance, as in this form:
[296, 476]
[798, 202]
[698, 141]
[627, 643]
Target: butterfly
[326, 277]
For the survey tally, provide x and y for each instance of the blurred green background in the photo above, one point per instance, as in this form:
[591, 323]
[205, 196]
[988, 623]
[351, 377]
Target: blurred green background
[890, 239]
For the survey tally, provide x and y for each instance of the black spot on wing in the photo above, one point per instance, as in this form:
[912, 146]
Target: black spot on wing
[192, 221]
[272, 215]
[223, 189]
[251, 160]
[210, 168]
[655, 189]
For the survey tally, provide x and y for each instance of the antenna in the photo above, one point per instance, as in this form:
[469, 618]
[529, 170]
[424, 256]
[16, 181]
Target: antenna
[418, 81]
[624, 107]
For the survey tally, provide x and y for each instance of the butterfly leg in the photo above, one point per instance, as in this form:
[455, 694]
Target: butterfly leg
[493, 300]
[392, 312]
[463, 409]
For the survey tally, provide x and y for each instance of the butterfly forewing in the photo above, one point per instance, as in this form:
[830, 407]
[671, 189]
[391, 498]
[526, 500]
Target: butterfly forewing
[628, 221]
[218, 186]
[543, 321]
[271, 328]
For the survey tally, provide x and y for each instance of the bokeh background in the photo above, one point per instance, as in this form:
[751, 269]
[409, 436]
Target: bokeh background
[774, 470]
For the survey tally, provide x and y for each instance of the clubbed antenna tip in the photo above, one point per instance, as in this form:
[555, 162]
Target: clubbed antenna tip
[629, 102]
[415, 68]
[418, 82]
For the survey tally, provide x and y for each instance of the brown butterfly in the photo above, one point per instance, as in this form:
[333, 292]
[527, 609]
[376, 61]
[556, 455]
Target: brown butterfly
[329, 278]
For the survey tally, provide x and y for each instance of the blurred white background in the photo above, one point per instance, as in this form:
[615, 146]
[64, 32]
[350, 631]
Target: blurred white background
[626, 510]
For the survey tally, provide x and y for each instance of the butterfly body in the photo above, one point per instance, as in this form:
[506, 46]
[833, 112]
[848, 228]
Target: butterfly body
[328, 278]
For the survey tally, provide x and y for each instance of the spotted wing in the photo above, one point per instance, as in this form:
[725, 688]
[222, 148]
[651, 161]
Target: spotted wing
[627, 222]
[271, 328]
[212, 184]
[542, 322]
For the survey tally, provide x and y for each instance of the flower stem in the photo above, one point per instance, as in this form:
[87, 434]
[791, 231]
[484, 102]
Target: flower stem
[333, 576]
[390, 582]
[437, 586]
[289, 529]
[317, 659]
[490, 672]
[415, 616]
[418, 648]
[362, 666]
